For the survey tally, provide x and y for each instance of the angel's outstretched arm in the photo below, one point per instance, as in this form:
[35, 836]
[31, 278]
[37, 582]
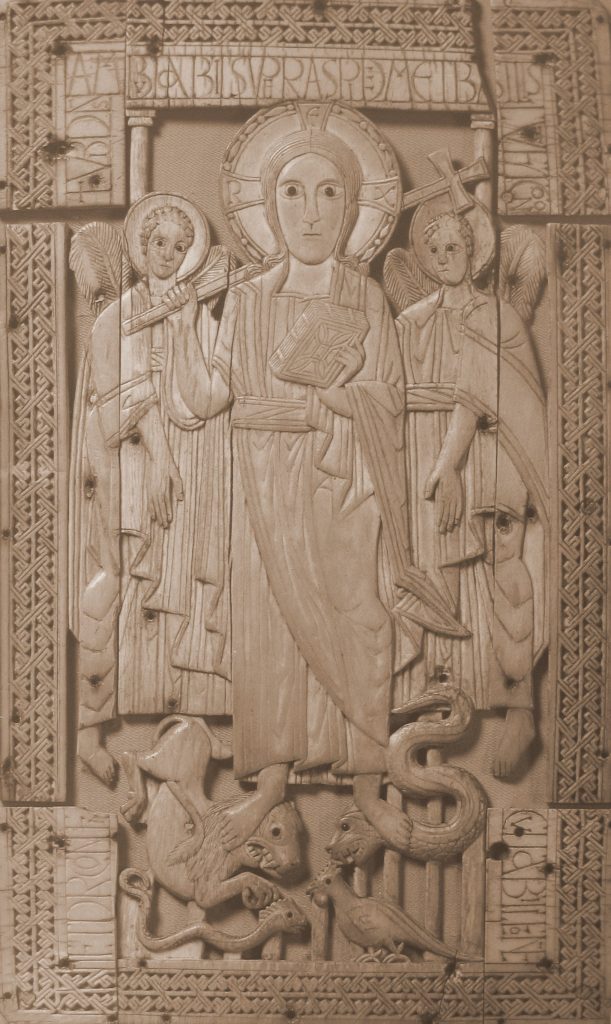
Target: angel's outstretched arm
[445, 482]
[203, 388]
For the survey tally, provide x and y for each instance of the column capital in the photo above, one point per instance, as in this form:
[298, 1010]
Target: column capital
[141, 118]
[483, 119]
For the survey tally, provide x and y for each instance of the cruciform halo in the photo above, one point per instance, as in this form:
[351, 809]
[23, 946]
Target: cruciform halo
[380, 194]
[139, 211]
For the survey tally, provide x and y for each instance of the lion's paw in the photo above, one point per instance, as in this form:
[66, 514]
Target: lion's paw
[259, 894]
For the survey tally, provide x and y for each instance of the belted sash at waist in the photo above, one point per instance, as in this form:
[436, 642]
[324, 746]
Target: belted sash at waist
[252, 413]
[430, 397]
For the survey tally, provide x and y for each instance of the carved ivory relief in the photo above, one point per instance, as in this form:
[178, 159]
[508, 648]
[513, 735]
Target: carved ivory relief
[304, 512]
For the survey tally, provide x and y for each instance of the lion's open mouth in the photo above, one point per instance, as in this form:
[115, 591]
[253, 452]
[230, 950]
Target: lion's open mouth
[346, 853]
[264, 859]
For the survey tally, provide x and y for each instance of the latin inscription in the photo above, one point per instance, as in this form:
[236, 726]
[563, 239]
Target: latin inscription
[90, 88]
[520, 871]
[260, 75]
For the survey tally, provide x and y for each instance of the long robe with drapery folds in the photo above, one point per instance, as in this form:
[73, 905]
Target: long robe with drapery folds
[491, 567]
[312, 647]
[150, 605]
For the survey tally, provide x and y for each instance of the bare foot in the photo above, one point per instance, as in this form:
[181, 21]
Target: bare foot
[516, 737]
[394, 827]
[135, 806]
[242, 820]
[94, 756]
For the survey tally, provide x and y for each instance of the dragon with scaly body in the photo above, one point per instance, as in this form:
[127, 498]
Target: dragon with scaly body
[282, 915]
[356, 840]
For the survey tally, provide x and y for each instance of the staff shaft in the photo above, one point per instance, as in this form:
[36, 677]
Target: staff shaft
[203, 290]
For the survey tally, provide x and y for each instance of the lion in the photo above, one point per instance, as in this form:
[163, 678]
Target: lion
[185, 851]
[355, 840]
[200, 868]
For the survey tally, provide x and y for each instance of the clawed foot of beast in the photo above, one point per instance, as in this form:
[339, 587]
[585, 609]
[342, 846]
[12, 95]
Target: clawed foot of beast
[94, 755]
[135, 805]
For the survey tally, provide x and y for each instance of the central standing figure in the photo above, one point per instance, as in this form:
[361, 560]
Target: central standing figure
[319, 502]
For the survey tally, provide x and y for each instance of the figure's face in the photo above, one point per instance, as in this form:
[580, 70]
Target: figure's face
[449, 254]
[311, 203]
[166, 249]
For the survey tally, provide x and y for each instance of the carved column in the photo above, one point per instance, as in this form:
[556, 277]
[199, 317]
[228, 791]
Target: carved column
[483, 126]
[140, 125]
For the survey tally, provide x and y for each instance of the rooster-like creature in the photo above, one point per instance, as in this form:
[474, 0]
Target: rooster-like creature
[372, 923]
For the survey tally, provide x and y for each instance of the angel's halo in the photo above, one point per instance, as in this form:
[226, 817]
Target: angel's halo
[484, 238]
[137, 214]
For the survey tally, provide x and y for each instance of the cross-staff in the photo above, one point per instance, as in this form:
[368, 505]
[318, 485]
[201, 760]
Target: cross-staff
[451, 181]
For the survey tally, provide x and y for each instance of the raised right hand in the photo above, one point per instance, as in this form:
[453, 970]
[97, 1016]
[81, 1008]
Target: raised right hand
[181, 299]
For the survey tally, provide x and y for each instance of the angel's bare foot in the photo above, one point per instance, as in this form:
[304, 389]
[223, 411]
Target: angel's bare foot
[94, 756]
[517, 735]
[243, 819]
[135, 806]
[239, 822]
[394, 827]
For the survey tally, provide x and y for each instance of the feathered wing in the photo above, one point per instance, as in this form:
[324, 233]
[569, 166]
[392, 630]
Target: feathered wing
[522, 270]
[220, 261]
[365, 912]
[370, 914]
[404, 280]
[99, 264]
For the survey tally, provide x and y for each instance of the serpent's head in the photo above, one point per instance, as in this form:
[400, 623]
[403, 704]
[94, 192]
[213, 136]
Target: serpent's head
[354, 840]
[275, 846]
[285, 913]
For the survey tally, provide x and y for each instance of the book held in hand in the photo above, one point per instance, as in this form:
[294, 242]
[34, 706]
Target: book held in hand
[309, 352]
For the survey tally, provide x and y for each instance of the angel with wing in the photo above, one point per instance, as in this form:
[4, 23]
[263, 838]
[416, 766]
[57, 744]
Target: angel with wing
[476, 446]
[149, 605]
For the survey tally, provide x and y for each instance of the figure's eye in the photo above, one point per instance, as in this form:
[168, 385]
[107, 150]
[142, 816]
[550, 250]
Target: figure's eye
[289, 914]
[327, 881]
[433, 249]
[276, 831]
[345, 826]
[451, 247]
[159, 242]
[180, 247]
[292, 189]
[331, 190]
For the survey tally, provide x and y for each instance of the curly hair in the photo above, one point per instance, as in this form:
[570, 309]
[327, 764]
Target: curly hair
[455, 219]
[164, 213]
